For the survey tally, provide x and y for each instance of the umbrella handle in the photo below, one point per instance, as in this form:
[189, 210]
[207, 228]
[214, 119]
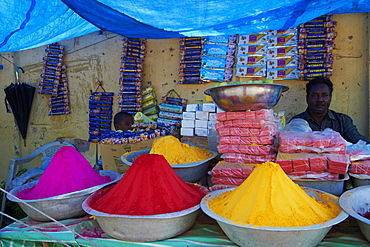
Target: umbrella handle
[16, 74]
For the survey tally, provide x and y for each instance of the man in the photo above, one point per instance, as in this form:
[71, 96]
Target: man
[319, 117]
[123, 121]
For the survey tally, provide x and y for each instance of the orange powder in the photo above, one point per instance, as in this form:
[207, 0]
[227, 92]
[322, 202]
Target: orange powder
[269, 198]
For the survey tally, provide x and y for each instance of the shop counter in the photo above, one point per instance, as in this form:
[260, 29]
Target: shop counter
[205, 232]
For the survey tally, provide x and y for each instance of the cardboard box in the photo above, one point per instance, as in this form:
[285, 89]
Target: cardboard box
[210, 107]
[111, 154]
[188, 123]
[199, 123]
[188, 115]
[201, 115]
[187, 131]
[192, 107]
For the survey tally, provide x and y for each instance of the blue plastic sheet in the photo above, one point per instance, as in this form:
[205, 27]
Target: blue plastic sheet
[29, 24]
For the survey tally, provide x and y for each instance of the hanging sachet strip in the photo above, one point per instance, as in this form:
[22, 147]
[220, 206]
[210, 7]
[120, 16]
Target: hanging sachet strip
[129, 95]
[191, 50]
[100, 113]
[315, 47]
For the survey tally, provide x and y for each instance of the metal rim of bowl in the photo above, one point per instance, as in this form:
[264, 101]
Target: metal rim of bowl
[86, 207]
[344, 203]
[284, 87]
[186, 165]
[117, 176]
[204, 206]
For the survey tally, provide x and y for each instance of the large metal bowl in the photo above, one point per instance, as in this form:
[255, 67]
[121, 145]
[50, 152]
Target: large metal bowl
[60, 207]
[250, 235]
[246, 96]
[357, 201]
[144, 228]
[189, 172]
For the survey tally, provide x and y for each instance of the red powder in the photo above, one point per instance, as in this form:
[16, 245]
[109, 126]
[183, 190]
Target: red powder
[149, 187]
[68, 171]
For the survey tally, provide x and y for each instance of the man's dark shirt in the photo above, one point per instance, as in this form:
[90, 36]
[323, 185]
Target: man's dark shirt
[336, 121]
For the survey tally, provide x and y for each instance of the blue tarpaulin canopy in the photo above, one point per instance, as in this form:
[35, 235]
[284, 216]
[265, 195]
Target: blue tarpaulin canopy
[31, 23]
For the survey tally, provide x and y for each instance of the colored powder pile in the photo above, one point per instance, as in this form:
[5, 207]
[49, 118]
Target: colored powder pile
[68, 171]
[176, 152]
[150, 186]
[269, 198]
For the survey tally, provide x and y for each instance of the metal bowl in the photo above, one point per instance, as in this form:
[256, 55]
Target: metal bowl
[251, 235]
[359, 179]
[357, 201]
[60, 207]
[189, 172]
[144, 228]
[246, 96]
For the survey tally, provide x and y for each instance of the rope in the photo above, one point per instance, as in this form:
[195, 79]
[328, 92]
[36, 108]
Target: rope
[60, 224]
[34, 228]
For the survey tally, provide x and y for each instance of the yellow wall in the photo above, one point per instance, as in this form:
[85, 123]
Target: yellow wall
[98, 56]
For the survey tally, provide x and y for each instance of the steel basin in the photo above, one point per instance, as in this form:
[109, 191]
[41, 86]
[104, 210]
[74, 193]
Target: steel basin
[250, 235]
[60, 207]
[357, 201]
[189, 172]
[143, 228]
[246, 96]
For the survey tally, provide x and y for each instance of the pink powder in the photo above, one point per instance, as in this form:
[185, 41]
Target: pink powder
[68, 171]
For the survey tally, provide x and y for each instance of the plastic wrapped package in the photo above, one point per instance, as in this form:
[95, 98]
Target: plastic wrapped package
[338, 163]
[223, 131]
[268, 130]
[263, 114]
[301, 164]
[242, 140]
[247, 149]
[360, 167]
[227, 180]
[229, 169]
[245, 158]
[298, 125]
[286, 165]
[235, 115]
[312, 142]
[219, 125]
[221, 116]
[302, 161]
[313, 175]
[318, 163]
[358, 151]
[250, 123]
[221, 187]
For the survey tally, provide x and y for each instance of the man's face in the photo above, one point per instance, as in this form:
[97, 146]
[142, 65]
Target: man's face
[318, 99]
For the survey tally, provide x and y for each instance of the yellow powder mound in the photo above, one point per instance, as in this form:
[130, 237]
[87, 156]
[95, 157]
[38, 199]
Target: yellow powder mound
[268, 197]
[176, 152]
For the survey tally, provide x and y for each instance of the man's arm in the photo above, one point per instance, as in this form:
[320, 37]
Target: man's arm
[350, 131]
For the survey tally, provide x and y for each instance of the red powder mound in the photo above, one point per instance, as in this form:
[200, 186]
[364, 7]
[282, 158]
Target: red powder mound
[149, 187]
[68, 171]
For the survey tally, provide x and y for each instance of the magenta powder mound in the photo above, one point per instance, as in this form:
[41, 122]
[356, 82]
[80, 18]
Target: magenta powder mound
[68, 171]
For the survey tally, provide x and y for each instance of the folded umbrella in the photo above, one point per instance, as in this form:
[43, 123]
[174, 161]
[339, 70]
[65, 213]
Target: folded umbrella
[20, 97]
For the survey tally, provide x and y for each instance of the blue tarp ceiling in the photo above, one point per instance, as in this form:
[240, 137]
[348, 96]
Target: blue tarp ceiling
[26, 24]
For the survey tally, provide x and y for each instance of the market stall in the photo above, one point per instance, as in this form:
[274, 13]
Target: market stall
[248, 136]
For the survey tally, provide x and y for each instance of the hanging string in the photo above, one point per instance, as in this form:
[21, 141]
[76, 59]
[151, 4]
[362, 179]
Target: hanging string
[60, 224]
[100, 84]
[33, 228]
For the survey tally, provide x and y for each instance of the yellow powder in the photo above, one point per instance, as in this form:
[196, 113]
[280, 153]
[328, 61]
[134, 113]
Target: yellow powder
[268, 197]
[176, 152]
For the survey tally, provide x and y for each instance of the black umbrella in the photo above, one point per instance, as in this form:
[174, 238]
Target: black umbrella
[20, 97]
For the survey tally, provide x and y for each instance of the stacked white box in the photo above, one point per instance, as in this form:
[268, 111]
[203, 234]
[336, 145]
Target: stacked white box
[203, 116]
[187, 131]
[187, 123]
